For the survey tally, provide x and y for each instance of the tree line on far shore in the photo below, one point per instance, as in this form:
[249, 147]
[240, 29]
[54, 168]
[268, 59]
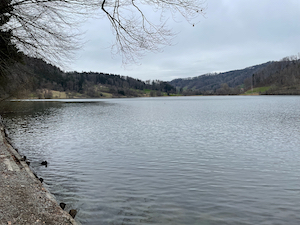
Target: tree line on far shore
[39, 77]
[42, 77]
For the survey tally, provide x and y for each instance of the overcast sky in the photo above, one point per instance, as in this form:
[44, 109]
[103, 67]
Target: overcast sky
[234, 34]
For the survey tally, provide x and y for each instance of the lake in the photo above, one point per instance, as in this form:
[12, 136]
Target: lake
[169, 160]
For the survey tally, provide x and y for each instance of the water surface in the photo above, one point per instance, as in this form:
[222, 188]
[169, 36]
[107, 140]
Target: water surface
[178, 160]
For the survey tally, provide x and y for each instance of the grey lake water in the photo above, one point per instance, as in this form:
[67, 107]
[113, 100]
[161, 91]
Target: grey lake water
[176, 160]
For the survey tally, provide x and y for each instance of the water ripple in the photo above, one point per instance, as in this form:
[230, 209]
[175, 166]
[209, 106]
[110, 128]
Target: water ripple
[192, 160]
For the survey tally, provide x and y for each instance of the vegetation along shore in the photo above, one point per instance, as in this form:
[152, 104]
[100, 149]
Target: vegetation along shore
[41, 80]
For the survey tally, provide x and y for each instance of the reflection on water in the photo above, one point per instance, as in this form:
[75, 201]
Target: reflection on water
[191, 160]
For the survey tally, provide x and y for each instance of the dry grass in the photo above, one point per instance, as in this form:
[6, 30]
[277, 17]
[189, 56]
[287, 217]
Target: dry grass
[59, 94]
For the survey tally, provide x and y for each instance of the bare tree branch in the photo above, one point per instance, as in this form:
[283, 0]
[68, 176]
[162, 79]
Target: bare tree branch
[135, 34]
[47, 28]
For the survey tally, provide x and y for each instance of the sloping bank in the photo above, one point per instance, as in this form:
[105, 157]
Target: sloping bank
[23, 198]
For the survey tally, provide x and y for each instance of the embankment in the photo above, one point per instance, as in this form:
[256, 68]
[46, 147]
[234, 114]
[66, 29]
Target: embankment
[23, 198]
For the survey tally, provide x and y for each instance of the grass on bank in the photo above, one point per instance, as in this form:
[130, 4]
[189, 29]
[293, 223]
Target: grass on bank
[59, 94]
[257, 91]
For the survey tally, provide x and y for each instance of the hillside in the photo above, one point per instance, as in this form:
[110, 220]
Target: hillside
[208, 83]
[47, 81]
[36, 79]
[277, 77]
[282, 78]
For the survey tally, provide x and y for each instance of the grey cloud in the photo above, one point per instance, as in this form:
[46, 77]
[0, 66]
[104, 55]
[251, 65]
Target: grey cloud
[234, 35]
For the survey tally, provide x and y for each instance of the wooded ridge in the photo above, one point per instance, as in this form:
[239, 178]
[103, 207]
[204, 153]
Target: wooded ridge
[34, 78]
[277, 77]
[42, 80]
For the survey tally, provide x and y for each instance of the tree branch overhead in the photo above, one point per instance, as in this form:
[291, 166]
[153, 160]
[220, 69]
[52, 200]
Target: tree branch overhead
[48, 29]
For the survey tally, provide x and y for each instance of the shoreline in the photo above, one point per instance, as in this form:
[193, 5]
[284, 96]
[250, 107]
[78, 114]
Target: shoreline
[24, 199]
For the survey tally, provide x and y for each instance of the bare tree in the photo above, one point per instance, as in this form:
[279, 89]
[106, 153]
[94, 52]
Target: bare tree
[47, 29]
[136, 34]
[44, 29]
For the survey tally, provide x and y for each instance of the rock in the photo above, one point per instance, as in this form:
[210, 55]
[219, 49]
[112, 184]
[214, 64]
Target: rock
[6, 133]
[73, 212]
[35, 175]
[62, 205]
[28, 163]
[44, 163]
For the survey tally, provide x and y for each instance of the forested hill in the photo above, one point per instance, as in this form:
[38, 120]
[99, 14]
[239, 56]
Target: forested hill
[277, 77]
[281, 78]
[46, 79]
[213, 81]
[37, 79]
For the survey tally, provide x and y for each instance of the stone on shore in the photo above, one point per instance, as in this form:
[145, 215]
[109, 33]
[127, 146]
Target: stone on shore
[73, 212]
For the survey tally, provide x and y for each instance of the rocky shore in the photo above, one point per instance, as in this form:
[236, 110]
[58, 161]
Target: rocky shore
[23, 198]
